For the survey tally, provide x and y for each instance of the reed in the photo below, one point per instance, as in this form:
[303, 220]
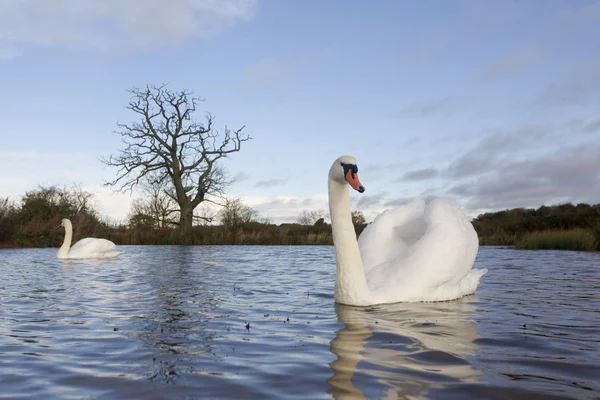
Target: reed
[578, 239]
[498, 239]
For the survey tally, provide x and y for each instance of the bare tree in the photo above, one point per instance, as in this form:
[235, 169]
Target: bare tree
[266, 220]
[158, 204]
[81, 199]
[161, 206]
[235, 213]
[155, 210]
[8, 219]
[310, 217]
[139, 216]
[6, 207]
[358, 218]
[169, 146]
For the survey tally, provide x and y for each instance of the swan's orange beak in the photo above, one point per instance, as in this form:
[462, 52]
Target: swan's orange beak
[353, 180]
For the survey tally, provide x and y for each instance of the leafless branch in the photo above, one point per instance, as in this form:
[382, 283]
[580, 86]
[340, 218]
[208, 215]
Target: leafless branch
[167, 144]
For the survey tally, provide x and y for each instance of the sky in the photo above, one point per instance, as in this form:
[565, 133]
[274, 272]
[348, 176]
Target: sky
[494, 104]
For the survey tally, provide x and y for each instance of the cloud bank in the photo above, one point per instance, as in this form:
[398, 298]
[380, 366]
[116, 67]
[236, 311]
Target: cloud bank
[109, 24]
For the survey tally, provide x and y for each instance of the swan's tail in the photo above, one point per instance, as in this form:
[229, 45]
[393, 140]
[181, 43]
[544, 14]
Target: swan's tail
[465, 287]
[111, 254]
[470, 282]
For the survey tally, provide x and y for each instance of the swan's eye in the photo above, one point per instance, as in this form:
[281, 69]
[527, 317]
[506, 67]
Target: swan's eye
[349, 167]
[351, 176]
[350, 171]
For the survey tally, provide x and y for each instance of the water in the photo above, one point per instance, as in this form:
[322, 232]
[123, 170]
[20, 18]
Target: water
[172, 322]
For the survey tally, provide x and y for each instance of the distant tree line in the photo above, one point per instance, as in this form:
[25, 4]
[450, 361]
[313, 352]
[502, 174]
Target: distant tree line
[518, 225]
[34, 222]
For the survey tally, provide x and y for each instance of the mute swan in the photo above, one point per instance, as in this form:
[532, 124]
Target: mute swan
[85, 248]
[416, 252]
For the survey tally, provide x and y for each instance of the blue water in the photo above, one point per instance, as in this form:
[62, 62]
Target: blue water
[175, 322]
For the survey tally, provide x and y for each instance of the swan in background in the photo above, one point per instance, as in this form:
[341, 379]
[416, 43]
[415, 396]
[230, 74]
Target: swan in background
[85, 248]
[416, 252]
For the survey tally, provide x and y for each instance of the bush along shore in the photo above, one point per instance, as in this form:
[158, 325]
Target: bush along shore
[559, 227]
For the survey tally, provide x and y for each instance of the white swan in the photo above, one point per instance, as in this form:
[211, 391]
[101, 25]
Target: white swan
[85, 248]
[416, 252]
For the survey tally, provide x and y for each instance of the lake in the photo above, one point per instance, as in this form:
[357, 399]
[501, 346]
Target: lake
[170, 322]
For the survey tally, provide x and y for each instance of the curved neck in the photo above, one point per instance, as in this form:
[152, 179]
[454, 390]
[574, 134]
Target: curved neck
[64, 249]
[350, 283]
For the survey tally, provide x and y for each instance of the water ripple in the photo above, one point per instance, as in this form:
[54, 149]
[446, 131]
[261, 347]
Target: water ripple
[260, 322]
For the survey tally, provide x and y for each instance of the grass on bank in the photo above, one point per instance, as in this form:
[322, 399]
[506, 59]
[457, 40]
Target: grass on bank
[578, 239]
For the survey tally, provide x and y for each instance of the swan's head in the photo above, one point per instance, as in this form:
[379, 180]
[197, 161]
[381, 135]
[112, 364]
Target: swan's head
[344, 169]
[65, 222]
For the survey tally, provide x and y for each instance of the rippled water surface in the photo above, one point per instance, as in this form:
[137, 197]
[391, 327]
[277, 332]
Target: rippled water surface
[260, 322]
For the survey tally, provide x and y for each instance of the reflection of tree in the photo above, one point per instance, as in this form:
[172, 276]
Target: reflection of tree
[182, 301]
[409, 348]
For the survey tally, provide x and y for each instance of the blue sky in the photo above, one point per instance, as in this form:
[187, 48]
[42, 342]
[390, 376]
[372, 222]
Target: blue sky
[495, 104]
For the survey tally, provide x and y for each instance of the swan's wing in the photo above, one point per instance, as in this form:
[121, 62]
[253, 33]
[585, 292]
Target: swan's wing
[91, 247]
[391, 233]
[435, 267]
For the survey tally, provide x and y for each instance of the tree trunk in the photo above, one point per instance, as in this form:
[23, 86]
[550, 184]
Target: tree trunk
[185, 225]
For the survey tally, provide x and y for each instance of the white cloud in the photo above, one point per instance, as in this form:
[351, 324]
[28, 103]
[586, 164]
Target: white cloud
[571, 174]
[419, 175]
[442, 107]
[109, 24]
[286, 209]
[281, 209]
[578, 89]
[111, 205]
[9, 52]
[27, 156]
[515, 60]
[529, 167]
[269, 183]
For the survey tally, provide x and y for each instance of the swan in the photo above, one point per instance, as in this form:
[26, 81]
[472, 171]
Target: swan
[416, 252]
[85, 248]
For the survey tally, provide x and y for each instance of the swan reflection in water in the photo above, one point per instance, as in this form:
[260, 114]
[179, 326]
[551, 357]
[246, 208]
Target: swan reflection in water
[402, 350]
